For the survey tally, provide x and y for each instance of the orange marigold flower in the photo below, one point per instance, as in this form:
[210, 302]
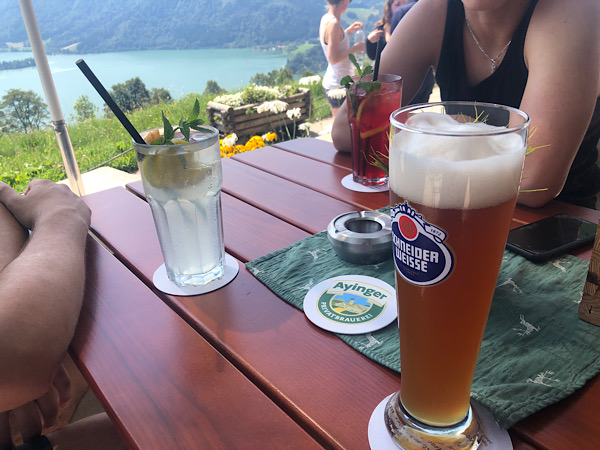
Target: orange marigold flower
[270, 137]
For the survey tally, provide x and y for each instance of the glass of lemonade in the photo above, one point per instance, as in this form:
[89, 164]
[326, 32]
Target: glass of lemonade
[455, 169]
[182, 183]
[369, 117]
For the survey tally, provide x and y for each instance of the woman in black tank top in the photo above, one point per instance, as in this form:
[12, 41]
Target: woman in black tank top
[506, 85]
[542, 57]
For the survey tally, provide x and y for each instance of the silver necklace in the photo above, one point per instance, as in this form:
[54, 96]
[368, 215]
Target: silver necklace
[493, 61]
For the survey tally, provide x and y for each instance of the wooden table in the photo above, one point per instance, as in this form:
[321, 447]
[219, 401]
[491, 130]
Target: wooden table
[239, 367]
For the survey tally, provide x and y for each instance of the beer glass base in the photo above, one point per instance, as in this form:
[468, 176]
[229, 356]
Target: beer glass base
[410, 433]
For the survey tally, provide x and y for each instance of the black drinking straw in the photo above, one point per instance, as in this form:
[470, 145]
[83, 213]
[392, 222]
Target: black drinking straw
[109, 101]
[377, 58]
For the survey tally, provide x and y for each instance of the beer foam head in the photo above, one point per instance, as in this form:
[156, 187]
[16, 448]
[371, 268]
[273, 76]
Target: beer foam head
[455, 165]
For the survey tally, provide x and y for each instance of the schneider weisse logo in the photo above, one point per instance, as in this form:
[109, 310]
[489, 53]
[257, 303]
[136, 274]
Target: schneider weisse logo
[420, 254]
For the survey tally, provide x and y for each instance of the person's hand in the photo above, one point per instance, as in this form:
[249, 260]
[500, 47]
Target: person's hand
[30, 419]
[358, 47]
[43, 200]
[374, 36]
[354, 27]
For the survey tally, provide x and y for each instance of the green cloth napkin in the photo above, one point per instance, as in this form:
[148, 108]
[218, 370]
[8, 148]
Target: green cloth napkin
[535, 350]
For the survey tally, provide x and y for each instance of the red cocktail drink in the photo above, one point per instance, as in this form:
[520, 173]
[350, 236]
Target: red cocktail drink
[370, 104]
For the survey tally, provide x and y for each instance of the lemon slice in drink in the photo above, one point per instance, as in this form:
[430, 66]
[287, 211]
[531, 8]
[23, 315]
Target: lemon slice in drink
[163, 167]
[374, 131]
[152, 135]
[359, 112]
[367, 117]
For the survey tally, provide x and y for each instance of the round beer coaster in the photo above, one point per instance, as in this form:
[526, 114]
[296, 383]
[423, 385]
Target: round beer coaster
[493, 437]
[162, 282]
[349, 183]
[351, 304]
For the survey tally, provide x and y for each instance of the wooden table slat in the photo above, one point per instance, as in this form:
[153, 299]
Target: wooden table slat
[241, 220]
[318, 150]
[162, 383]
[307, 172]
[298, 205]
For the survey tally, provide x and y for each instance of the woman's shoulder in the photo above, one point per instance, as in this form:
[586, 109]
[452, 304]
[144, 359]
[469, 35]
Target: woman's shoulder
[574, 15]
[427, 17]
[565, 25]
[329, 20]
[430, 12]
[565, 35]
[331, 28]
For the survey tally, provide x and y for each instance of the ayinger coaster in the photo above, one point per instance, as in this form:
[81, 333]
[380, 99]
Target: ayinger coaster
[351, 304]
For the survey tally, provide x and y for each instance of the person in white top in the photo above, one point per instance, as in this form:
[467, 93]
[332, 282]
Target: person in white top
[336, 46]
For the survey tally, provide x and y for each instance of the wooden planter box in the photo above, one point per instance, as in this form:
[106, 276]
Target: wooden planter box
[244, 121]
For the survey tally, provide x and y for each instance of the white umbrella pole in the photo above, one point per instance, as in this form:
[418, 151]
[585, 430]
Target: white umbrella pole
[58, 122]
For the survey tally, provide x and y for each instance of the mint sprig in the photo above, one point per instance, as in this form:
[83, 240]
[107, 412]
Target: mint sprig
[361, 88]
[185, 125]
[367, 86]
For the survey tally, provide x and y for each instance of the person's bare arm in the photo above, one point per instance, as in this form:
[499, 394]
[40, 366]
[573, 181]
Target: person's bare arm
[563, 56]
[12, 237]
[333, 35]
[41, 289]
[414, 46]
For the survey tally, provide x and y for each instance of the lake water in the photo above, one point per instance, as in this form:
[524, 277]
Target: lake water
[179, 71]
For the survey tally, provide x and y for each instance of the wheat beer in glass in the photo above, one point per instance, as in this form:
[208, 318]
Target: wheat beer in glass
[455, 169]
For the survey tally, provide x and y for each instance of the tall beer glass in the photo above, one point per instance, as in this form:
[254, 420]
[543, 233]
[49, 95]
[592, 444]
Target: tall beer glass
[455, 169]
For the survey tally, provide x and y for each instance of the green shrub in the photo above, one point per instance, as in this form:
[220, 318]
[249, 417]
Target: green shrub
[26, 156]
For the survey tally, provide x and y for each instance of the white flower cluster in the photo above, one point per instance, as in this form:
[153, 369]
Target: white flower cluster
[307, 81]
[230, 140]
[275, 107]
[304, 126]
[337, 93]
[275, 91]
[294, 113]
[233, 100]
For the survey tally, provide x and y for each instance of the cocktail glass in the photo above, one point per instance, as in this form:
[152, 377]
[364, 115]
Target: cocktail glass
[370, 104]
[182, 183]
[455, 169]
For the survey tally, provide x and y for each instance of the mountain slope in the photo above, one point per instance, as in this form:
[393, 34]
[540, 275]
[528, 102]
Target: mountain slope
[117, 25]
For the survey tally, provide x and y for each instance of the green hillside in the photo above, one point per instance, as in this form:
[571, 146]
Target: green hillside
[115, 25]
